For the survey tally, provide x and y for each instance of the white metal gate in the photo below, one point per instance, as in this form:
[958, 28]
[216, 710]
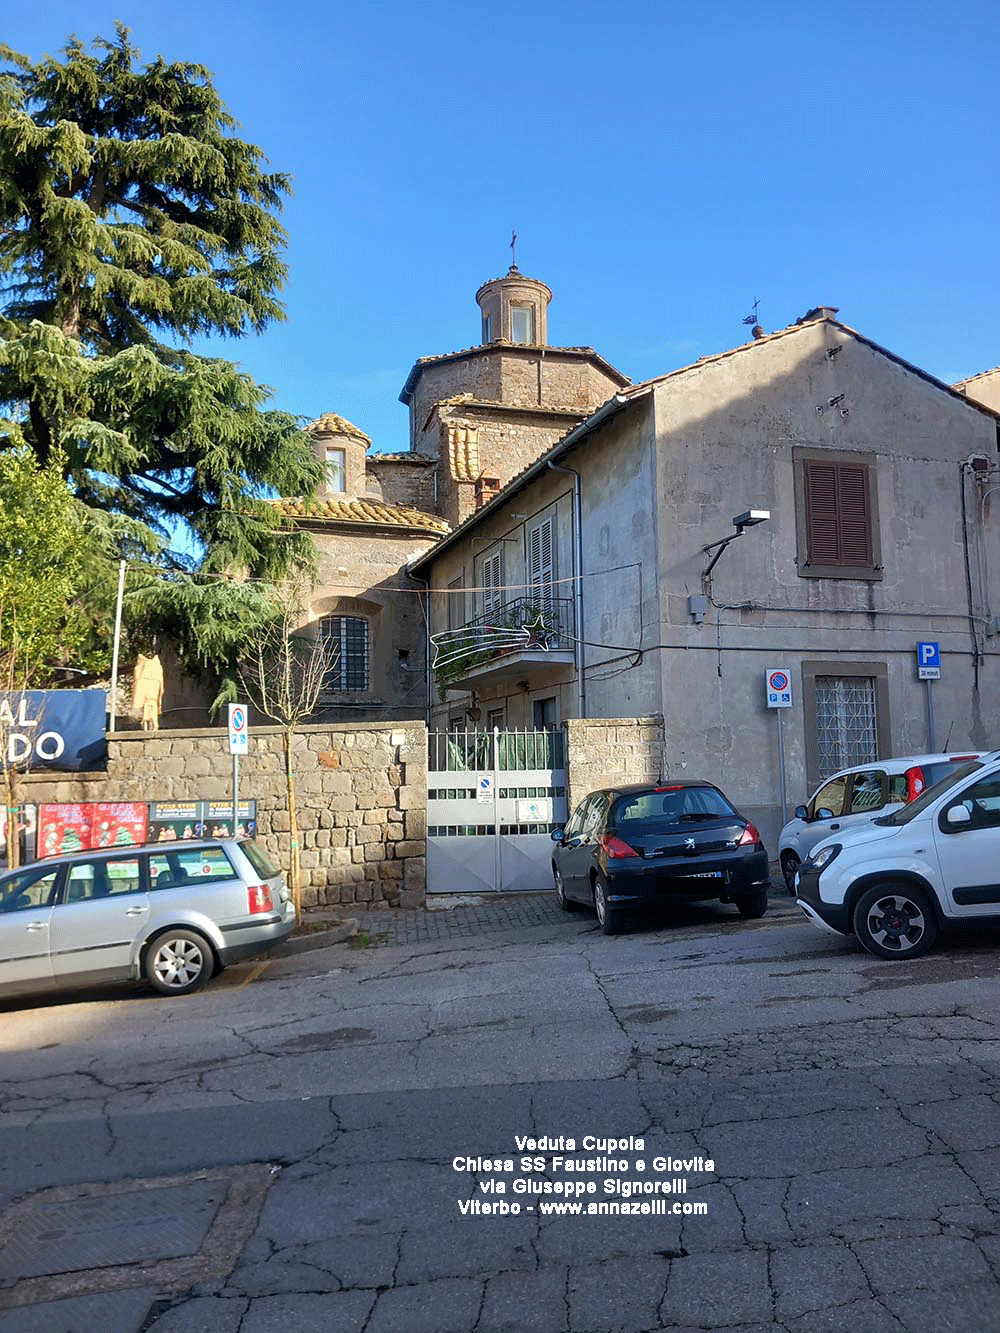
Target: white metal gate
[493, 798]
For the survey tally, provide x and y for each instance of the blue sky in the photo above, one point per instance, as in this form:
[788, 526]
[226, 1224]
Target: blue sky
[663, 164]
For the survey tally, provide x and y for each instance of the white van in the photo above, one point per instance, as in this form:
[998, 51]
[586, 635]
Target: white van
[894, 883]
[857, 796]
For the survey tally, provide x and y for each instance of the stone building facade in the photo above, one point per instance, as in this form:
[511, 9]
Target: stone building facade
[881, 531]
[477, 418]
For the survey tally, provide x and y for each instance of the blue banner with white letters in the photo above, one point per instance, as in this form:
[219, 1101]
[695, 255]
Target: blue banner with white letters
[55, 729]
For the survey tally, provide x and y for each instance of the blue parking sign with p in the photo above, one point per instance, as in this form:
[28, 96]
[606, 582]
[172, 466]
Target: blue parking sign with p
[928, 655]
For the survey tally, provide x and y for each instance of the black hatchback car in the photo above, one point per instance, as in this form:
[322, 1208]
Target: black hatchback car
[640, 846]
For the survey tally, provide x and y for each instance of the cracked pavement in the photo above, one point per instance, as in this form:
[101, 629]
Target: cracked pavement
[851, 1107]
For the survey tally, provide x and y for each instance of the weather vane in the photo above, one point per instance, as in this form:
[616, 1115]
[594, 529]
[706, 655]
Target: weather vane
[752, 319]
[513, 251]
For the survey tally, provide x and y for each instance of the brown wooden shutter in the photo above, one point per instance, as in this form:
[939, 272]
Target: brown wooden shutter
[838, 514]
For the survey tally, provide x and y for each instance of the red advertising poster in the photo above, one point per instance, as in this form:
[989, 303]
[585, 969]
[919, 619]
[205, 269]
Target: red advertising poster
[63, 828]
[76, 828]
[118, 823]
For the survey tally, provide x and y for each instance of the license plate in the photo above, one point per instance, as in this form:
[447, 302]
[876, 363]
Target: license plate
[703, 874]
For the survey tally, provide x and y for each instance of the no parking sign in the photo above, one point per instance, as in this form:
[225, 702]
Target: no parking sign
[237, 729]
[778, 682]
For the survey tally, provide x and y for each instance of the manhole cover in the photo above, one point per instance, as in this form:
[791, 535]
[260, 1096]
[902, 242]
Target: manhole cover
[166, 1233]
[142, 1226]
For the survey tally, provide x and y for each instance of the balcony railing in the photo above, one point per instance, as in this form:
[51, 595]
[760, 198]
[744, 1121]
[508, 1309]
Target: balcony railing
[527, 625]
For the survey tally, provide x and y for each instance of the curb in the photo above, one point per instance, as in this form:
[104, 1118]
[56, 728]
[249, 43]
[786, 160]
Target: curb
[320, 939]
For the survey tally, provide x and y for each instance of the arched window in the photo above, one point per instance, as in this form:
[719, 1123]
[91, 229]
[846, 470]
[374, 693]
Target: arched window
[345, 639]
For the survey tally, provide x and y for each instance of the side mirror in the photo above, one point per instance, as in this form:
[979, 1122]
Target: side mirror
[959, 814]
[557, 834]
[801, 812]
[824, 813]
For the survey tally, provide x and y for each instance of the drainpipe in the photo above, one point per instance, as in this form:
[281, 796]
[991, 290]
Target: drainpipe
[578, 533]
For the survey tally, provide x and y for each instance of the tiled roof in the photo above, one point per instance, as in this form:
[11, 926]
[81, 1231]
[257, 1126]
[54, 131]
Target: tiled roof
[349, 509]
[330, 424]
[983, 374]
[463, 451]
[624, 397]
[408, 456]
[535, 409]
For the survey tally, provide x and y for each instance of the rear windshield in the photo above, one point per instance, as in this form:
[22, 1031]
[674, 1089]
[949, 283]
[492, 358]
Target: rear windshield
[260, 860]
[954, 773]
[656, 808]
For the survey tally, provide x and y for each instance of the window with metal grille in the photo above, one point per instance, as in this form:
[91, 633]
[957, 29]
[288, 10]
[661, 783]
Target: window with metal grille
[838, 514]
[345, 640]
[846, 724]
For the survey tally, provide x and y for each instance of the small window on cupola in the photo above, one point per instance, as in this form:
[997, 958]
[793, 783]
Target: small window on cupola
[487, 329]
[522, 324]
[336, 471]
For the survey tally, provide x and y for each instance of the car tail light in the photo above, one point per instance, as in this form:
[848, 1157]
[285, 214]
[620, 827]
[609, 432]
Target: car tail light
[258, 899]
[748, 836]
[615, 848]
[678, 786]
[915, 782]
[961, 758]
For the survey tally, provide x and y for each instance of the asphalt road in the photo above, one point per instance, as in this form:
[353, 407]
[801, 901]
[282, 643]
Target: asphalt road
[278, 1152]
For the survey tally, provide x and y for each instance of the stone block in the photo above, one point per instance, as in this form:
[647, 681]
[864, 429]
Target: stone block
[280, 822]
[416, 823]
[368, 833]
[374, 851]
[411, 898]
[408, 849]
[309, 897]
[415, 873]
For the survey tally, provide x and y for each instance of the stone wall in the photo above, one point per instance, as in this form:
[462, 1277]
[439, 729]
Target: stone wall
[609, 750]
[362, 799]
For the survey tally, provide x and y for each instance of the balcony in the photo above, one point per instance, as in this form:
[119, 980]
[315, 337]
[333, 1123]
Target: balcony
[532, 638]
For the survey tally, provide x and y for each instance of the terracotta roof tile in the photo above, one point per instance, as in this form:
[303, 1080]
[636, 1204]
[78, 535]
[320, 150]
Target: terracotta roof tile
[330, 424]
[463, 451]
[408, 456]
[350, 509]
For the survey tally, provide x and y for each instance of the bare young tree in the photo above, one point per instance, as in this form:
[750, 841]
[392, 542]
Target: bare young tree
[15, 731]
[283, 676]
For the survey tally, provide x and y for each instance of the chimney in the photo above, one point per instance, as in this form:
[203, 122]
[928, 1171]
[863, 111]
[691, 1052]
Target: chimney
[819, 312]
[486, 488]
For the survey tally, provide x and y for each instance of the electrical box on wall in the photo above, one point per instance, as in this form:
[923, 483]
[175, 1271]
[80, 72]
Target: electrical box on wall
[697, 607]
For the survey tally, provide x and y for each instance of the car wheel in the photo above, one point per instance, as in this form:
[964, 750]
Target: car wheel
[752, 905]
[789, 864]
[608, 918]
[564, 902]
[178, 962]
[895, 921]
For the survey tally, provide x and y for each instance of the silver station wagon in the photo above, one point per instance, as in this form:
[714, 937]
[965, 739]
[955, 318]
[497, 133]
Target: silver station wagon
[171, 913]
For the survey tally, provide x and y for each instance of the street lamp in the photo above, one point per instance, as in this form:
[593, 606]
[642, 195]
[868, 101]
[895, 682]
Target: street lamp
[748, 519]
